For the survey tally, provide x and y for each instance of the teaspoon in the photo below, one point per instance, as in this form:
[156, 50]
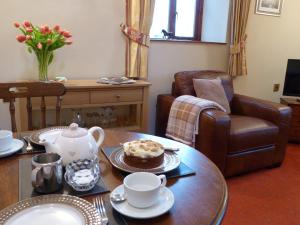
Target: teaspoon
[118, 197]
[29, 147]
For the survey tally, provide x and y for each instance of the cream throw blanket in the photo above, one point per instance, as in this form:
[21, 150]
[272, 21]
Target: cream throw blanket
[184, 117]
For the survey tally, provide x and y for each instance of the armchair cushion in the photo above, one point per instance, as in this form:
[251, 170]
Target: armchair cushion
[204, 87]
[250, 133]
[184, 82]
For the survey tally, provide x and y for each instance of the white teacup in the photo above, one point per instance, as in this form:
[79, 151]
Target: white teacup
[142, 188]
[6, 139]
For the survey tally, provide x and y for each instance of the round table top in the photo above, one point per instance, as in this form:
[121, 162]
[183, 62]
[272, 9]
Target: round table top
[199, 199]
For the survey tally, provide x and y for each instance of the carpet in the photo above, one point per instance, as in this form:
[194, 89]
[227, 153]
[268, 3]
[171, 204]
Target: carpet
[267, 197]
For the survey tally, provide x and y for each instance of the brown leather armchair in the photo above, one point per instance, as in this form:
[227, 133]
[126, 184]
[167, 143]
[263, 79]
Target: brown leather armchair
[253, 136]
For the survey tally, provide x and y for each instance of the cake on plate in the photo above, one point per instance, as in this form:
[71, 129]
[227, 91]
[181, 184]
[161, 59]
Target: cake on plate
[144, 154]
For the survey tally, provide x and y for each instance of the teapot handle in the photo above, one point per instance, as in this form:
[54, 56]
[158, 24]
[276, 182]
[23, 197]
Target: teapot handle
[100, 132]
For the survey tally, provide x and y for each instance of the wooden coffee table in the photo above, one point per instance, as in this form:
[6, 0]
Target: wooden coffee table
[199, 199]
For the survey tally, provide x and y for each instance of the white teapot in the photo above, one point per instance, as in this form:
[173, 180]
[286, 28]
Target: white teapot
[75, 143]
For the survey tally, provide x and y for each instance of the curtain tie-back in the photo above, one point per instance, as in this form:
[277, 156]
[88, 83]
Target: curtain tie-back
[237, 48]
[135, 35]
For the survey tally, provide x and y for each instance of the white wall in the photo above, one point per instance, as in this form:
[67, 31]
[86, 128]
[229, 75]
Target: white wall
[271, 41]
[99, 46]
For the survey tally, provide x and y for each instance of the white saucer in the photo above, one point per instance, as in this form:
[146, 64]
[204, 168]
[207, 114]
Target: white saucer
[15, 146]
[165, 203]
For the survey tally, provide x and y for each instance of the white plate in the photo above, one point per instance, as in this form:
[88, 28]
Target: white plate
[171, 162]
[49, 134]
[164, 204]
[51, 210]
[48, 214]
[15, 146]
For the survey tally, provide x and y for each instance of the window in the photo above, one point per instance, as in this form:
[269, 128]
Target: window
[195, 20]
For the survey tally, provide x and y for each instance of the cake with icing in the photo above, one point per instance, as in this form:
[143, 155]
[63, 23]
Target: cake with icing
[143, 154]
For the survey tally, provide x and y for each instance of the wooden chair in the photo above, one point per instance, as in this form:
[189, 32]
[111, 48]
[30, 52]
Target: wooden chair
[10, 91]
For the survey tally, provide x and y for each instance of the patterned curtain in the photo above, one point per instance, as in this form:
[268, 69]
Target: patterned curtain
[239, 18]
[139, 15]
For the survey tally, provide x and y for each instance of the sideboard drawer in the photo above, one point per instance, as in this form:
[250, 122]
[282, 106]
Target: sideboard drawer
[114, 96]
[70, 98]
[76, 98]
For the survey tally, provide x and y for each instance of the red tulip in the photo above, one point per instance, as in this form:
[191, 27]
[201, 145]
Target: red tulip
[56, 28]
[46, 28]
[21, 38]
[17, 25]
[49, 41]
[26, 24]
[67, 34]
[39, 46]
[42, 30]
[28, 37]
[29, 30]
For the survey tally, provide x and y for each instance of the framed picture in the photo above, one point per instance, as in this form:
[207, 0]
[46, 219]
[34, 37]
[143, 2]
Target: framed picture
[269, 7]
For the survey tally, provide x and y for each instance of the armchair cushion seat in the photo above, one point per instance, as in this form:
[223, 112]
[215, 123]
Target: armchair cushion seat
[250, 133]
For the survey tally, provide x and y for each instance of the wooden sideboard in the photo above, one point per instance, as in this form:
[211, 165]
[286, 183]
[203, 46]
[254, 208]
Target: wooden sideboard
[294, 133]
[82, 94]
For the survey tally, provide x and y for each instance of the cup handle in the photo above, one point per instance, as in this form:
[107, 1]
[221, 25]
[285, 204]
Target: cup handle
[101, 134]
[163, 180]
[34, 174]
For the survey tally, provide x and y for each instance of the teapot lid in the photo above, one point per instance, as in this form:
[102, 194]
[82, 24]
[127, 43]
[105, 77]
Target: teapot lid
[74, 131]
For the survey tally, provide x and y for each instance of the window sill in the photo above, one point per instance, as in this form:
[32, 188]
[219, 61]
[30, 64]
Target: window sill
[186, 41]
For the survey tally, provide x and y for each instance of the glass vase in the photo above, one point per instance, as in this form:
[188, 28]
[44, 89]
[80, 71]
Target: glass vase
[43, 61]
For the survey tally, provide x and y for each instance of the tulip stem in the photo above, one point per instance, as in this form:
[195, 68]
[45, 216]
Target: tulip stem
[43, 57]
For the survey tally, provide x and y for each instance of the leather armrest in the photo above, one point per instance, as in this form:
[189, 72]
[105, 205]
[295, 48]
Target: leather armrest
[274, 112]
[163, 107]
[278, 114]
[213, 136]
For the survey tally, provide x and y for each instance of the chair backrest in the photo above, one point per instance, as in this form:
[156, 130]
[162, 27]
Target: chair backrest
[183, 84]
[10, 91]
